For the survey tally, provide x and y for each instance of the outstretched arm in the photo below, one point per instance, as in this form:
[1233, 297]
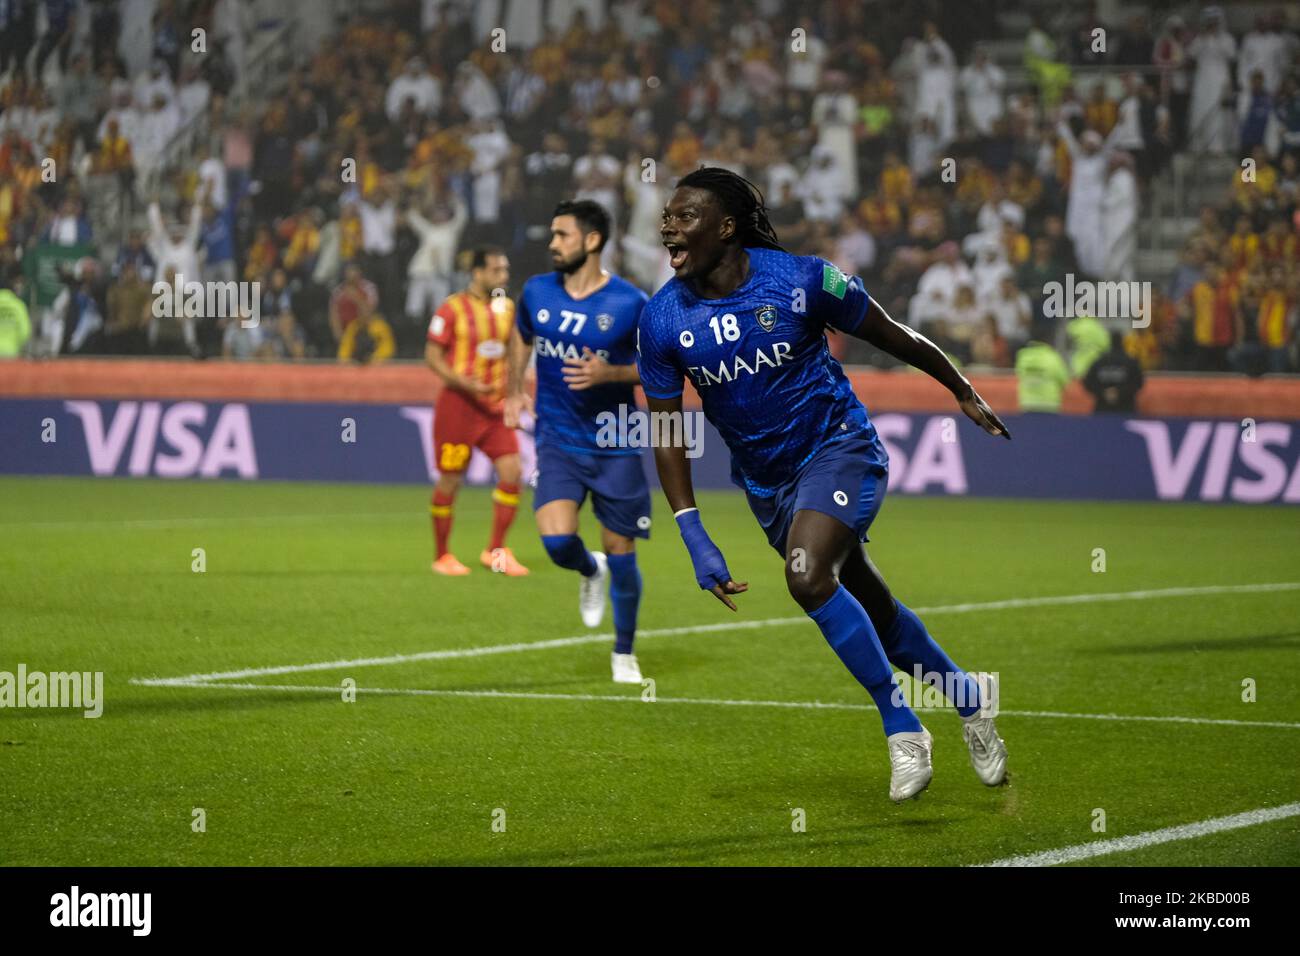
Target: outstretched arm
[157, 230]
[674, 470]
[675, 477]
[908, 345]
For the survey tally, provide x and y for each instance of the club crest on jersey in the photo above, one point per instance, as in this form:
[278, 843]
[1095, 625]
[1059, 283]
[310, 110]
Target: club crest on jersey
[766, 316]
[604, 321]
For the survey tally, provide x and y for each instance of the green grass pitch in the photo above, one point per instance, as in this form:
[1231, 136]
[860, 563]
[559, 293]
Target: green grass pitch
[96, 575]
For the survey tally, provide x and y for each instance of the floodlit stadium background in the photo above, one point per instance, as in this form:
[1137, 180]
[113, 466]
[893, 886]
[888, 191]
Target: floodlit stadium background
[1131, 575]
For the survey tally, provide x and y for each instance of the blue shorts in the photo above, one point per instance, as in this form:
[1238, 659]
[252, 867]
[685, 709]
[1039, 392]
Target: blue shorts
[620, 495]
[845, 479]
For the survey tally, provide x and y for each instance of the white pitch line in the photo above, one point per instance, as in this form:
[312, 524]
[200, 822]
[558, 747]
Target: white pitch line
[458, 652]
[707, 701]
[1219, 721]
[1117, 596]
[454, 653]
[1138, 841]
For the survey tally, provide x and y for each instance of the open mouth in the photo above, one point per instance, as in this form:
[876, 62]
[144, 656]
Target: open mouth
[676, 254]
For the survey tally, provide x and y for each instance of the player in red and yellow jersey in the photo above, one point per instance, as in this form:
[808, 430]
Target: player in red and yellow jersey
[467, 349]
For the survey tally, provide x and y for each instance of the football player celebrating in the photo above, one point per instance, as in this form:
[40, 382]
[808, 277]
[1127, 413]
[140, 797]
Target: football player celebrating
[581, 322]
[467, 349]
[746, 321]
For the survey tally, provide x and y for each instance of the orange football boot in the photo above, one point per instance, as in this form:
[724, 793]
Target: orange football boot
[502, 560]
[449, 566]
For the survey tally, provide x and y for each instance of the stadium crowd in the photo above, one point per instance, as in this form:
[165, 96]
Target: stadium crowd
[894, 146]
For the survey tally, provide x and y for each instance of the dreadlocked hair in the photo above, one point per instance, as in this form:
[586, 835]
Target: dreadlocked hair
[741, 200]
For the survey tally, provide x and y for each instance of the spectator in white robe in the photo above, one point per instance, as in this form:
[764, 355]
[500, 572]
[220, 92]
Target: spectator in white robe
[936, 84]
[982, 83]
[149, 86]
[903, 72]
[997, 210]
[1119, 217]
[646, 196]
[430, 269]
[804, 61]
[414, 83]
[644, 257]
[1088, 159]
[835, 113]
[233, 25]
[475, 92]
[123, 110]
[1011, 310]
[821, 187]
[491, 147]
[1127, 134]
[598, 177]
[154, 132]
[193, 95]
[923, 147]
[937, 289]
[1265, 48]
[176, 249]
[990, 269]
[522, 23]
[1210, 126]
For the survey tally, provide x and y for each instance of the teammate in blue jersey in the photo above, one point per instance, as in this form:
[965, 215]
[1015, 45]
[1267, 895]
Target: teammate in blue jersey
[746, 322]
[581, 322]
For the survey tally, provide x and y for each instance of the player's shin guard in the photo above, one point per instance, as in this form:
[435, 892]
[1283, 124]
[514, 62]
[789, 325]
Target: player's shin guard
[505, 502]
[625, 595]
[911, 648]
[440, 510]
[850, 633]
[568, 551]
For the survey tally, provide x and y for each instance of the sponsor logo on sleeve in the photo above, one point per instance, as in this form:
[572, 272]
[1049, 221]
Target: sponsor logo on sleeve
[834, 281]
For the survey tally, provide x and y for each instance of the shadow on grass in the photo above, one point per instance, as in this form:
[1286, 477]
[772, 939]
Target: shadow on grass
[205, 699]
[793, 848]
[1285, 640]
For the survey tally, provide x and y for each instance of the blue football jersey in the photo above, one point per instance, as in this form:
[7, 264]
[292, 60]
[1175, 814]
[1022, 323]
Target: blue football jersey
[760, 362]
[559, 327]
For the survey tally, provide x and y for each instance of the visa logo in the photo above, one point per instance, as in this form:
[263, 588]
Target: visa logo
[1218, 445]
[167, 442]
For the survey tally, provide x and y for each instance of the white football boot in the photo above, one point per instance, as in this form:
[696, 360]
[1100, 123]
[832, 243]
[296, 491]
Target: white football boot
[625, 668]
[988, 754]
[592, 592]
[909, 763]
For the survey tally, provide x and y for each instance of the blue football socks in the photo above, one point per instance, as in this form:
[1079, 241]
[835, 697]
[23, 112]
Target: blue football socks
[852, 636]
[625, 595]
[910, 645]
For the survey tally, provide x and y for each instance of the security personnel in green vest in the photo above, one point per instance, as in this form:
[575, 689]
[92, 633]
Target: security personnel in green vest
[15, 324]
[1089, 340]
[1041, 372]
